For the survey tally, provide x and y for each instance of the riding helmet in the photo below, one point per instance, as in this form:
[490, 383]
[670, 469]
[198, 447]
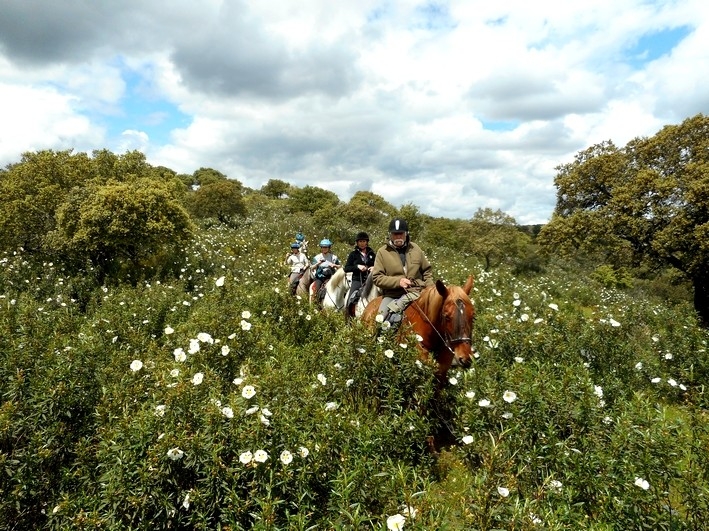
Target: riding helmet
[295, 245]
[299, 237]
[362, 236]
[398, 225]
[325, 243]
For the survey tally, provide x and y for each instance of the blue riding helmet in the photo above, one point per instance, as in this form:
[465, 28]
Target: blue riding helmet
[295, 245]
[325, 243]
[299, 237]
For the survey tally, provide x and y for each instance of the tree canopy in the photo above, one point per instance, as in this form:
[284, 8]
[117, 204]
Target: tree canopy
[112, 224]
[493, 236]
[310, 199]
[221, 200]
[650, 197]
[275, 189]
[104, 209]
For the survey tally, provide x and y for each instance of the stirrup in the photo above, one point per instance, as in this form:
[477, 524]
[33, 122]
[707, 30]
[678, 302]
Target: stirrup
[394, 318]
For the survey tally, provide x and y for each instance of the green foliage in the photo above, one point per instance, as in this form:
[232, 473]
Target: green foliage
[608, 277]
[116, 224]
[651, 197]
[275, 189]
[116, 215]
[310, 199]
[493, 237]
[207, 176]
[32, 190]
[368, 210]
[129, 405]
[446, 233]
[413, 216]
[221, 200]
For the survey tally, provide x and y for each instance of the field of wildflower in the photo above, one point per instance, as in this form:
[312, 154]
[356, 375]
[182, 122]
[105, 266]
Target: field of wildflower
[218, 401]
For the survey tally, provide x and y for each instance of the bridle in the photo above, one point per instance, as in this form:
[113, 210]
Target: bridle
[458, 330]
[337, 307]
[458, 335]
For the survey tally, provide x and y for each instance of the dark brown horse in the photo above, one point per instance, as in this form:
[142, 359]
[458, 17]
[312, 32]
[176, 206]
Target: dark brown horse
[443, 317]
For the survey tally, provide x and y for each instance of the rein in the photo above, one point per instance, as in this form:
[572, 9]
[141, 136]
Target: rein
[337, 307]
[447, 341]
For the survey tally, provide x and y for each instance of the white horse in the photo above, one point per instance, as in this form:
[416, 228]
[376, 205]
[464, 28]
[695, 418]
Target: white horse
[336, 290]
[338, 293]
[367, 293]
[304, 247]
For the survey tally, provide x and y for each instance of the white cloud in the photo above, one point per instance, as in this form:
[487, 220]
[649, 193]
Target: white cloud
[36, 118]
[452, 106]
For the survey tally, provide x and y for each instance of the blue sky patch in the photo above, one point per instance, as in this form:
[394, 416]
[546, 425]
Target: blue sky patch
[500, 125]
[142, 109]
[652, 46]
[433, 16]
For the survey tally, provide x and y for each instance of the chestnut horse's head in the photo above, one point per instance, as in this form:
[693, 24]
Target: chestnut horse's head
[455, 326]
[443, 317]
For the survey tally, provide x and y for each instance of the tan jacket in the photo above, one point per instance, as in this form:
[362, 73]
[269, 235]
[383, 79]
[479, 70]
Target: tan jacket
[388, 269]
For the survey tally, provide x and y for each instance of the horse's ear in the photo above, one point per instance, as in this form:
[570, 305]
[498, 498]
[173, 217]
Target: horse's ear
[468, 285]
[441, 288]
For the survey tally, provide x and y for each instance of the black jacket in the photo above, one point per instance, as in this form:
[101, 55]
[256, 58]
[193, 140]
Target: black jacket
[355, 259]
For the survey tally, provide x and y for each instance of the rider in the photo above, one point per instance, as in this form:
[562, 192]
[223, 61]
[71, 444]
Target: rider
[359, 262]
[401, 270]
[299, 238]
[297, 262]
[324, 265]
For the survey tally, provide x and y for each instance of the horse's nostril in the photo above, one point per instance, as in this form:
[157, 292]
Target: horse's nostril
[461, 362]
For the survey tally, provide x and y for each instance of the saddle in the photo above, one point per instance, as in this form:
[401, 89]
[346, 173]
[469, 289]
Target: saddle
[320, 294]
[395, 309]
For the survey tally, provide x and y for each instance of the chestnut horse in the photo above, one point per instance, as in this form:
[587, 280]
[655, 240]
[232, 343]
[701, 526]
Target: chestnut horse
[443, 317]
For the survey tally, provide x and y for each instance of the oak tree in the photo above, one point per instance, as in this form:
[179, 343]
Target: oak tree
[650, 198]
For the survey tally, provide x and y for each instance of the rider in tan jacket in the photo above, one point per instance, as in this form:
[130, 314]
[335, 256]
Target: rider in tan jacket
[400, 268]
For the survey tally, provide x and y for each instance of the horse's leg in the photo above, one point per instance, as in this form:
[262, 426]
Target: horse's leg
[312, 292]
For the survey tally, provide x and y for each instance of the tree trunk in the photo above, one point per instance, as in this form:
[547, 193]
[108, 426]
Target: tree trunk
[701, 299]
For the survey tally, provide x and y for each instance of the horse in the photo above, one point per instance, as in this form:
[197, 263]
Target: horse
[337, 293]
[336, 289]
[367, 292]
[443, 317]
[334, 294]
[305, 284]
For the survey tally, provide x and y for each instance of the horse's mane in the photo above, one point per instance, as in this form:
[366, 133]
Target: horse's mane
[430, 303]
[337, 278]
[366, 287]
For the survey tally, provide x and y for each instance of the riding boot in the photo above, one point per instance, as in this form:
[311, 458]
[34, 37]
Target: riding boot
[394, 319]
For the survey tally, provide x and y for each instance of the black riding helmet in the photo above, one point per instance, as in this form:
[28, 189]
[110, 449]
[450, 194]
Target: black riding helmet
[398, 225]
[362, 236]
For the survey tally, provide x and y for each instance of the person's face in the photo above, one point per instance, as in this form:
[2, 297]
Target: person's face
[324, 250]
[296, 251]
[362, 244]
[398, 238]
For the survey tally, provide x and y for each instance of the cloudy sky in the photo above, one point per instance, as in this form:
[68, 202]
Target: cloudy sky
[451, 105]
